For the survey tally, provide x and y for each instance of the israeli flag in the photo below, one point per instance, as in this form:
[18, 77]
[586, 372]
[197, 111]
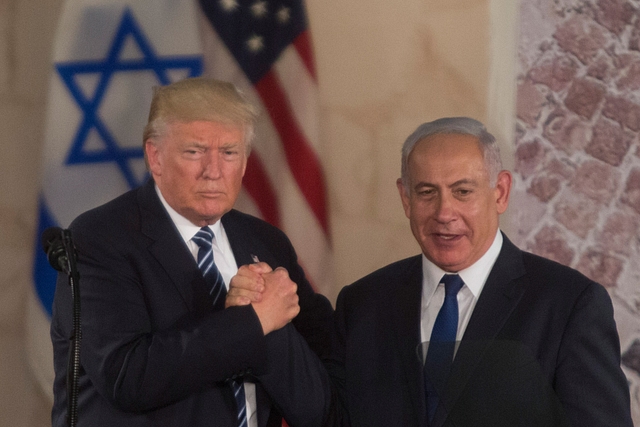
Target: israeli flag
[107, 57]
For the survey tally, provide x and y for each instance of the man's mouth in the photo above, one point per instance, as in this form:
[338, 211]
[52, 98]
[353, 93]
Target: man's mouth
[447, 236]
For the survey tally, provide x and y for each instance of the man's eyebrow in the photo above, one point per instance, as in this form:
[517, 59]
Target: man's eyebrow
[424, 184]
[195, 144]
[464, 182]
[231, 144]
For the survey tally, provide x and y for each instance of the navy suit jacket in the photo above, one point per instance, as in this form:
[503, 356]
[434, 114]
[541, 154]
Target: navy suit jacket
[541, 349]
[153, 351]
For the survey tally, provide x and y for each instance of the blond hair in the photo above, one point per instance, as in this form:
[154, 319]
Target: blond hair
[199, 99]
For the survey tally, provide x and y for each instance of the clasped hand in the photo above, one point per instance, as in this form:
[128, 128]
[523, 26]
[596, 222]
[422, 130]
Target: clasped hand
[272, 294]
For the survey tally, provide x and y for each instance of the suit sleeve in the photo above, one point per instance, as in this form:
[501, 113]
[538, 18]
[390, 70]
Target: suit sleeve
[295, 379]
[294, 376]
[132, 360]
[315, 318]
[337, 415]
[589, 381]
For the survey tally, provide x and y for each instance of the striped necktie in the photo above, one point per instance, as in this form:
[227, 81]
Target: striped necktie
[218, 290]
[442, 344]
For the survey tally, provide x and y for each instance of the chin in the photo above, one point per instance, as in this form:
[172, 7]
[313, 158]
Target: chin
[449, 264]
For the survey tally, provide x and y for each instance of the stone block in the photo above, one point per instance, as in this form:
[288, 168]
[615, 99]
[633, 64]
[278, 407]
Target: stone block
[528, 156]
[560, 167]
[555, 71]
[629, 79]
[551, 242]
[545, 187]
[584, 97]
[577, 212]
[549, 180]
[602, 68]
[601, 267]
[623, 111]
[631, 194]
[618, 233]
[566, 131]
[582, 37]
[596, 180]
[529, 103]
[609, 143]
[614, 15]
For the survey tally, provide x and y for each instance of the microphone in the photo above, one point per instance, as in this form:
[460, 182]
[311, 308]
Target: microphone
[61, 254]
[53, 244]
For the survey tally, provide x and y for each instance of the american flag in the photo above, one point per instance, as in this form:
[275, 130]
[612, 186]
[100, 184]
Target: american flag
[264, 48]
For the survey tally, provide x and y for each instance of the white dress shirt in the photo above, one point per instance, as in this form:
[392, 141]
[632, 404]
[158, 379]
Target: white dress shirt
[226, 263]
[474, 278]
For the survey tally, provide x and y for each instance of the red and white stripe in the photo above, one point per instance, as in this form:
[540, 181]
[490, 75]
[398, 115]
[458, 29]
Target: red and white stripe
[284, 183]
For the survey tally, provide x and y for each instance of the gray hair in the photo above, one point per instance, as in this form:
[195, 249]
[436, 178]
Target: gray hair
[461, 126]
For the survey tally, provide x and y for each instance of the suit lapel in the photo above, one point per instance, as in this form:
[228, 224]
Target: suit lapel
[247, 247]
[243, 244]
[500, 295]
[168, 248]
[404, 314]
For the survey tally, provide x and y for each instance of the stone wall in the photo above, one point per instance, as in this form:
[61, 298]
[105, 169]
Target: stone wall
[577, 194]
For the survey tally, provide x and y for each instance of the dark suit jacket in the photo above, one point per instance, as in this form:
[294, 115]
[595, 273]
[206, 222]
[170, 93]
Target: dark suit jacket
[541, 349]
[153, 351]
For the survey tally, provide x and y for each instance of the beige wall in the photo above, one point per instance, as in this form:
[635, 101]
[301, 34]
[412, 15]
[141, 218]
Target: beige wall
[383, 69]
[26, 31]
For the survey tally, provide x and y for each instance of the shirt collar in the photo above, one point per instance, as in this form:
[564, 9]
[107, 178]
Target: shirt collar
[473, 276]
[186, 228]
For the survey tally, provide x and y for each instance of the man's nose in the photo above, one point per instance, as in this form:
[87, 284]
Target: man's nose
[211, 165]
[445, 208]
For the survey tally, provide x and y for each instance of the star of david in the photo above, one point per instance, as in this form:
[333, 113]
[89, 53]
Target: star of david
[106, 68]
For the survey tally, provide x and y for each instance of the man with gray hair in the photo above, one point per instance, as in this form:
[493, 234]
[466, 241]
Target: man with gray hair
[167, 337]
[474, 331]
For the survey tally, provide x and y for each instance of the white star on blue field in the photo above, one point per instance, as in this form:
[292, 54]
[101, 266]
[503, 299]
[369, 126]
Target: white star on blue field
[105, 68]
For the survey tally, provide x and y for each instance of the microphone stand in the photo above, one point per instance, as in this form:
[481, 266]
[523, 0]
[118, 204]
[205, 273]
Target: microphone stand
[73, 371]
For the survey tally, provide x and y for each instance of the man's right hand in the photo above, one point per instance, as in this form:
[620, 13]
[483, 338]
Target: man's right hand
[279, 302]
[247, 285]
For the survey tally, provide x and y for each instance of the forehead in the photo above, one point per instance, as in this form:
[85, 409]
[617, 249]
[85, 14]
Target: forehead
[202, 130]
[447, 154]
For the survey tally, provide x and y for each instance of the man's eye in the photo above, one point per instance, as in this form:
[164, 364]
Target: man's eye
[230, 153]
[192, 153]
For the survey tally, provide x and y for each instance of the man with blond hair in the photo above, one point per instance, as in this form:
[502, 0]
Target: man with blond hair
[167, 339]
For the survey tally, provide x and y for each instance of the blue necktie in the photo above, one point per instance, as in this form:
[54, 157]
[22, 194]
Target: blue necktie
[218, 290]
[442, 344]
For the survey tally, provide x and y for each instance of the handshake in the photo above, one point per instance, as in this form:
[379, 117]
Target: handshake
[272, 294]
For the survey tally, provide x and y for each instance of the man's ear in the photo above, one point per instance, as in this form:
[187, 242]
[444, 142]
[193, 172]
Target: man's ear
[503, 190]
[153, 157]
